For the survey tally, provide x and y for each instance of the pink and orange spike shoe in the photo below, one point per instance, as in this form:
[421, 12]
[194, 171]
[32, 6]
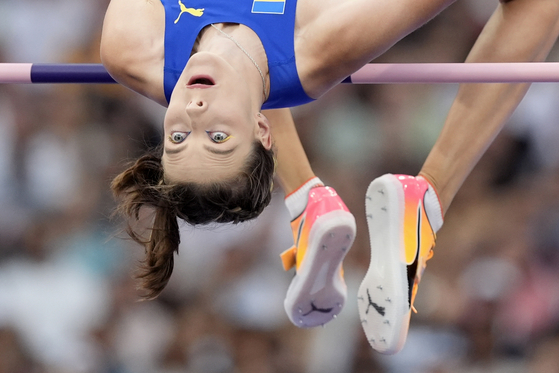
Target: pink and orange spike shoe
[323, 234]
[403, 216]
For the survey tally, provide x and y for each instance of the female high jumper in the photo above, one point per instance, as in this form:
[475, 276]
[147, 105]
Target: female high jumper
[217, 64]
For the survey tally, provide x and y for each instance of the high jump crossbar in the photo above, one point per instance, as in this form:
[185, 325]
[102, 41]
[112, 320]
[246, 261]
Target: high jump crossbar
[374, 73]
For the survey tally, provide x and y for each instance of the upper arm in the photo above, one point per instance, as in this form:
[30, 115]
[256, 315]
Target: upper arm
[278, 116]
[132, 45]
[348, 34]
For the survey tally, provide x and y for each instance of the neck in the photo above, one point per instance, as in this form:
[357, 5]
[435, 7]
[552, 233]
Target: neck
[244, 41]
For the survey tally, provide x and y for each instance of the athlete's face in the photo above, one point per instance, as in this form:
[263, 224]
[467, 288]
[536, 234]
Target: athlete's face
[210, 124]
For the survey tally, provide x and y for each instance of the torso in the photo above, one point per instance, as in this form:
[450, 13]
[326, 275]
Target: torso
[268, 26]
[326, 34]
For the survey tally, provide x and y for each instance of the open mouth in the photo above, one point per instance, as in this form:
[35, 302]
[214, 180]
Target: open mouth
[200, 81]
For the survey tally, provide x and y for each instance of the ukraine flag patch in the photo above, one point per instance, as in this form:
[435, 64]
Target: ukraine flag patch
[268, 6]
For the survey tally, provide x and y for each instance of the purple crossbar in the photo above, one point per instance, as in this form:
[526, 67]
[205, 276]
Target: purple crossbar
[53, 73]
[375, 73]
[70, 73]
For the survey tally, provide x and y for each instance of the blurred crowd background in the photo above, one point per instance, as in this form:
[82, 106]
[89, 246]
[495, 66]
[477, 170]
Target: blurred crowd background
[489, 300]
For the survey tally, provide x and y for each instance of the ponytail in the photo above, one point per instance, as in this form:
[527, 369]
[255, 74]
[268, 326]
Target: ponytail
[164, 240]
[231, 201]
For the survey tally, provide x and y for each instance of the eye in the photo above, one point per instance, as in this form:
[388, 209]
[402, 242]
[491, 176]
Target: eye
[178, 137]
[218, 136]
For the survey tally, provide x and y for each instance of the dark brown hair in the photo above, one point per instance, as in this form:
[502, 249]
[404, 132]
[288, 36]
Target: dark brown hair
[235, 200]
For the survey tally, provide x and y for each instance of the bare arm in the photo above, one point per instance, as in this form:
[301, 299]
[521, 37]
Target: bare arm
[519, 30]
[132, 45]
[336, 38]
[293, 167]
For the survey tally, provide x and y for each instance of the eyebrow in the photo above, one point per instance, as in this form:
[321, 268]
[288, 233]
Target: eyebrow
[174, 151]
[208, 148]
[220, 152]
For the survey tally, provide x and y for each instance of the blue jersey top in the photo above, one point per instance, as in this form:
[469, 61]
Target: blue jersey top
[272, 20]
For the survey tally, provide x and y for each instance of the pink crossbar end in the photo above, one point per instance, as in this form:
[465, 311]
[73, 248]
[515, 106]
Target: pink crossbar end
[15, 73]
[458, 73]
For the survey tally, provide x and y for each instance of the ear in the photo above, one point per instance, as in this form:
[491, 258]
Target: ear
[263, 132]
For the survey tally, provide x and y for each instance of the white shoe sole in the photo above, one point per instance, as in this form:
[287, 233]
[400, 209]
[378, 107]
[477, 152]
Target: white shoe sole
[383, 295]
[318, 292]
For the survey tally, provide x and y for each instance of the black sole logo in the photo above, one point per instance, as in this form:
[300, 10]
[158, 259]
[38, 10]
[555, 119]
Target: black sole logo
[316, 309]
[379, 309]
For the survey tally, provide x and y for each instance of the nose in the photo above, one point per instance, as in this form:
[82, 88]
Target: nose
[196, 106]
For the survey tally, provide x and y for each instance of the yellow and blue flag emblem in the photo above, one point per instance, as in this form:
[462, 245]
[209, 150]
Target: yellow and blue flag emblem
[268, 6]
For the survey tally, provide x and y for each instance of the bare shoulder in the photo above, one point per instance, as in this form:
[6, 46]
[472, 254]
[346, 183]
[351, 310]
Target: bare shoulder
[132, 45]
[334, 38]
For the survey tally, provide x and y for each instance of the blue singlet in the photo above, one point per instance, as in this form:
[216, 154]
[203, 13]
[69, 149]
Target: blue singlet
[272, 20]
